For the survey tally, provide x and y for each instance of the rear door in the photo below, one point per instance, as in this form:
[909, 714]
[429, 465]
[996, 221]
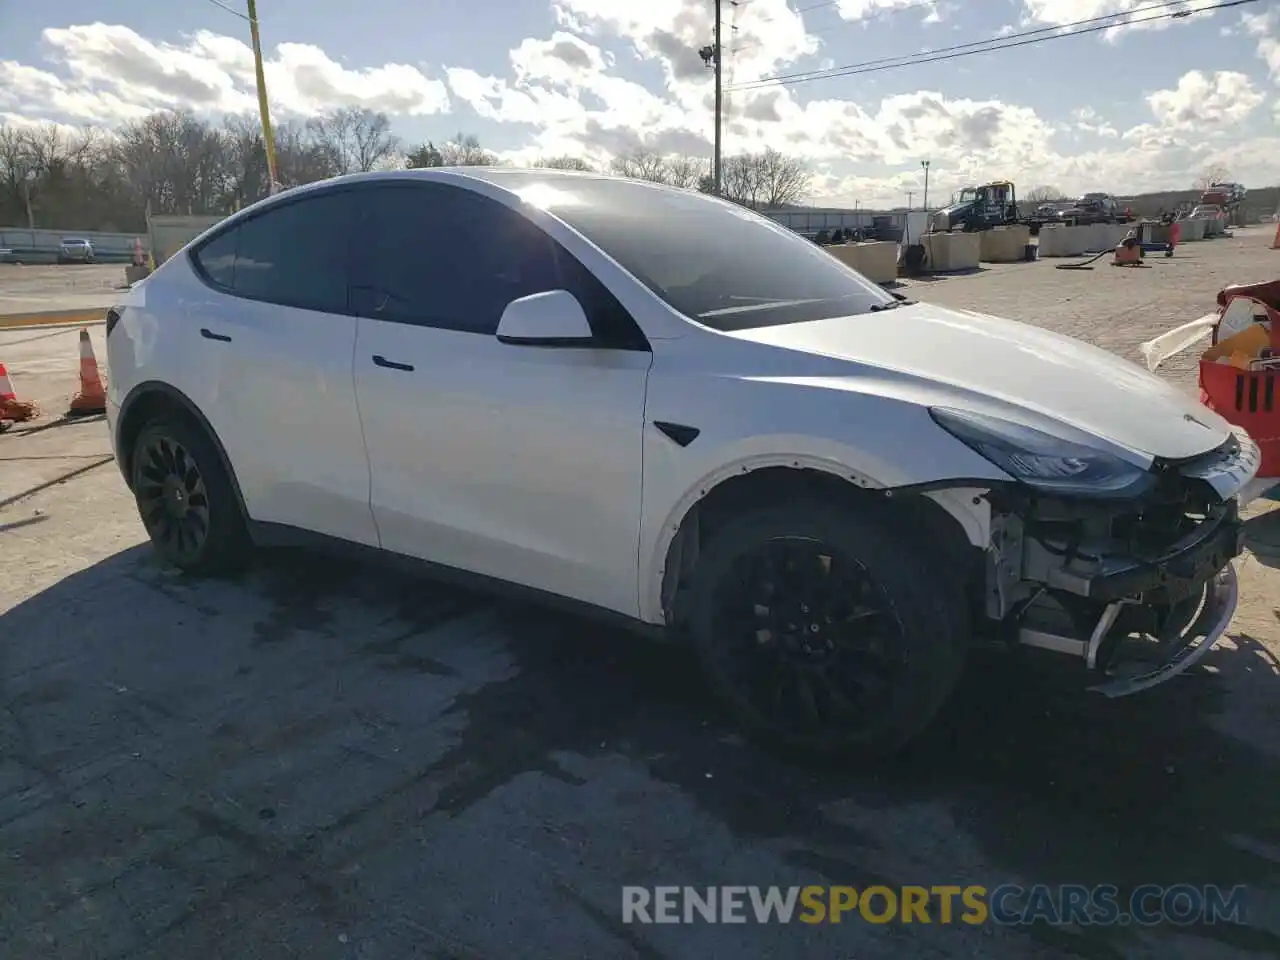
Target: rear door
[276, 337]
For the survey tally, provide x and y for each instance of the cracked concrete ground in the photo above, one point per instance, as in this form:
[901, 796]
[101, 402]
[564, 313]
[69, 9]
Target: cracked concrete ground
[336, 761]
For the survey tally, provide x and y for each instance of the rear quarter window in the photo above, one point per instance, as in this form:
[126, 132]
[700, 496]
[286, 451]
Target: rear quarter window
[217, 259]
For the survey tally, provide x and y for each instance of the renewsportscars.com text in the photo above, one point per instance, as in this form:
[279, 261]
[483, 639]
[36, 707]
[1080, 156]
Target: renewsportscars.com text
[1006, 905]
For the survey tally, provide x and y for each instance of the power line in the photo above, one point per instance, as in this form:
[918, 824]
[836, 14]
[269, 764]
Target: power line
[992, 44]
[231, 10]
[913, 57]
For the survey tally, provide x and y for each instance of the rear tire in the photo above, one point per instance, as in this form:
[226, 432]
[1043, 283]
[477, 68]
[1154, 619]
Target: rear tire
[186, 499]
[827, 632]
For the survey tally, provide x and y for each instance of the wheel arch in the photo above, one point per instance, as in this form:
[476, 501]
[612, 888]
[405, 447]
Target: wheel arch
[151, 398]
[764, 479]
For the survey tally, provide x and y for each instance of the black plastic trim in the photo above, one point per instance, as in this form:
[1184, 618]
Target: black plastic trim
[1190, 563]
[381, 361]
[210, 335]
[680, 433]
[579, 343]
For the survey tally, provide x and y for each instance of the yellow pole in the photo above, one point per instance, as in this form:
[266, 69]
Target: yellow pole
[263, 109]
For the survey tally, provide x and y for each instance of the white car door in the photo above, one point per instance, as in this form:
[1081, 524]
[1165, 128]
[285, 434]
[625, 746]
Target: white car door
[514, 462]
[276, 341]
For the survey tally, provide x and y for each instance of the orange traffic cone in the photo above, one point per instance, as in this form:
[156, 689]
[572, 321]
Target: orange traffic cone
[137, 252]
[92, 397]
[1275, 243]
[11, 408]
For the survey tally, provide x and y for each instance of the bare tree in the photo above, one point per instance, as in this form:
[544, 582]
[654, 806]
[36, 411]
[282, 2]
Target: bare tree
[464, 150]
[566, 162]
[300, 158]
[782, 180]
[424, 155]
[642, 165]
[18, 171]
[1215, 173]
[356, 138]
[1044, 194]
[768, 179]
[686, 172]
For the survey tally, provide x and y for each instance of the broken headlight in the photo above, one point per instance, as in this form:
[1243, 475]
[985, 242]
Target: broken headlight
[1043, 461]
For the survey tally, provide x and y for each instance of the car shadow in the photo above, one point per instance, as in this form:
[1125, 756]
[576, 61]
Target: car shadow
[1050, 783]
[1262, 537]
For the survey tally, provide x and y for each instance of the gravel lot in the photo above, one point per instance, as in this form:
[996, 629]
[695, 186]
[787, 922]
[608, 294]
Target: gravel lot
[333, 761]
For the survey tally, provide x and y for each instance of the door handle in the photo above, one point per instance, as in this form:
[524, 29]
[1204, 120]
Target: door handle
[382, 361]
[210, 335]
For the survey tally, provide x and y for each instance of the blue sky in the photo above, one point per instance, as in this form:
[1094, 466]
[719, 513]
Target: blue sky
[1153, 105]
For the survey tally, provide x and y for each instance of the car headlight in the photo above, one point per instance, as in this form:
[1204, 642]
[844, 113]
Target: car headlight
[1041, 460]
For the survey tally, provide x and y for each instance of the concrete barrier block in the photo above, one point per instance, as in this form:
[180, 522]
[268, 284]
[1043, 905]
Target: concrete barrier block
[1111, 234]
[1060, 241]
[877, 260]
[133, 273]
[1192, 230]
[1004, 244]
[949, 252]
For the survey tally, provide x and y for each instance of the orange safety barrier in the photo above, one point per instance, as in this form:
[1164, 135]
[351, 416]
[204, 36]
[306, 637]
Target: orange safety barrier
[1241, 387]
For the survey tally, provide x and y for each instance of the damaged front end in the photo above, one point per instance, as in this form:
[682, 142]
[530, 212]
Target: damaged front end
[1139, 587]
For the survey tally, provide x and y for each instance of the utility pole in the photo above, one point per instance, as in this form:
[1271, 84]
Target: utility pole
[925, 164]
[910, 196]
[263, 110]
[715, 157]
[711, 58]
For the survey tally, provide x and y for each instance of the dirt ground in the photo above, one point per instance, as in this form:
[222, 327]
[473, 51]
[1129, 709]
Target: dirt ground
[333, 761]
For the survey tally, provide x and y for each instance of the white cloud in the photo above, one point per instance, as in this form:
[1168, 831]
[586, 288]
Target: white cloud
[1266, 27]
[112, 74]
[564, 94]
[1206, 100]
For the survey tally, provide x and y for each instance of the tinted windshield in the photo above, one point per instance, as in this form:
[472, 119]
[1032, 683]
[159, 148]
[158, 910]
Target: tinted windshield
[719, 264]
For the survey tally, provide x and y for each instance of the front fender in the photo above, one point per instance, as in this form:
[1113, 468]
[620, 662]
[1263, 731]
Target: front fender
[667, 503]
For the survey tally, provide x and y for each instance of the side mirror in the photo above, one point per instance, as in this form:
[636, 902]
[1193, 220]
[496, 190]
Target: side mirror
[551, 319]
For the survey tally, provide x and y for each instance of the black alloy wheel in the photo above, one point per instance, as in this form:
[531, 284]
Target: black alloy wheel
[809, 636]
[172, 498]
[826, 630]
[187, 499]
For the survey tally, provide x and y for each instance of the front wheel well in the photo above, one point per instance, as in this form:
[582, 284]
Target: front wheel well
[922, 518]
[157, 400]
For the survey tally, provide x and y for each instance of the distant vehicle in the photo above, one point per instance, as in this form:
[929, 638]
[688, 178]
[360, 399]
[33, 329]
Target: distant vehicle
[1094, 208]
[75, 250]
[1225, 195]
[980, 208]
[1207, 211]
[570, 384]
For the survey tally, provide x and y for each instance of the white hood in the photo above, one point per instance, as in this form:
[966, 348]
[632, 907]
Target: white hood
[1054, 376]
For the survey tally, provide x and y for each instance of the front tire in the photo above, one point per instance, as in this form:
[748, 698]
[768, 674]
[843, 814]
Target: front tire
[826, 632]
[186, 499]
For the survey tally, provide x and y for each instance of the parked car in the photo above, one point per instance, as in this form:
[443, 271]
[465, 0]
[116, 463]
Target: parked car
[75, 250]
[1095, 208]
[571, 384]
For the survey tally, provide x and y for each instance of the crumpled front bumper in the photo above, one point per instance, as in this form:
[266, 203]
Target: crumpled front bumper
[1179, 654]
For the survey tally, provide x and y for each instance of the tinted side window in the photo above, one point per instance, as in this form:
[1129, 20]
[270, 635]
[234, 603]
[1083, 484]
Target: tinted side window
[217, 258]
[297, 254]
[445, 257]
